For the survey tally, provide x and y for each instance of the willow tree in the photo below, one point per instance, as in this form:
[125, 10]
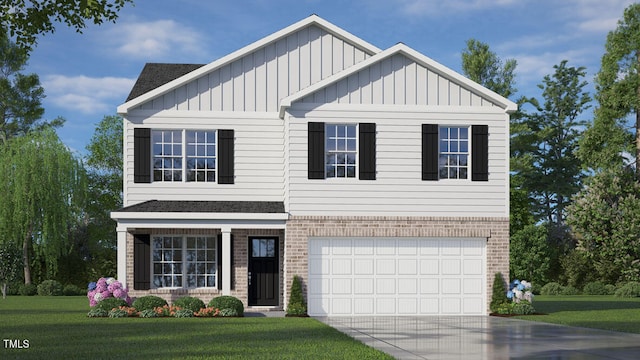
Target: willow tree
[41, 195]
[618, 93]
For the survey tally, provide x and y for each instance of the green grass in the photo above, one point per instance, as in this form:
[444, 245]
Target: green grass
[57, 327]
[592, 311]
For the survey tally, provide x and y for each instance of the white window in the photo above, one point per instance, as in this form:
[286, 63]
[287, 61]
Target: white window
[454, 153]
[188, 155]
[340, 150]
[184, 261]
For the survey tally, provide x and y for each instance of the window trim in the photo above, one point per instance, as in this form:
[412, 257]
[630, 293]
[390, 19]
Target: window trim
[468, 153]
[183, 249]
[185, 156]
[356, 175]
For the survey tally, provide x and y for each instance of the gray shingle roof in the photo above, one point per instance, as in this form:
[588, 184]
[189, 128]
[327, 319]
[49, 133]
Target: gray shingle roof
[154, 75]
[269, 207]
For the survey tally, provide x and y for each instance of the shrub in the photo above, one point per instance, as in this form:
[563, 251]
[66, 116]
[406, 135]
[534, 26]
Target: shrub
[96, 312]
[148, 313]
[118, 312]
[227, 302]
[191, 303]
[72, 290]
[149, 302]
[552, 288]
[570, 290]
[611, 289]
[207, 312]
[498, 296]
[595, 288]
[106, 288]
[28, 290]
[183, 313]
[228, 312]
[110, 303]
[505, 308]
[628, 290]
[50, 288]
[523, 308]
[297, 305]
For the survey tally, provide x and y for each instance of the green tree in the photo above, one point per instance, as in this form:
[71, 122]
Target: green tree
[605, 216]
[483, 66]
[9, 265]
[27, 20]
[555, 128]
[41, 197]
[20, 95]
[531, 256]
[618, 94]
[104, 162]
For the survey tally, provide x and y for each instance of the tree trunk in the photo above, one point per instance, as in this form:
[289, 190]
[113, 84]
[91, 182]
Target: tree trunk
[25, 258]
[4, 290]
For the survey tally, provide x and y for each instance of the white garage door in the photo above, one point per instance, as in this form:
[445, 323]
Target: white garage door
[396, 276]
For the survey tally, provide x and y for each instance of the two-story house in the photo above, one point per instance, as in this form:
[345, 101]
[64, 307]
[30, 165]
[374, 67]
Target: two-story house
[380, 177]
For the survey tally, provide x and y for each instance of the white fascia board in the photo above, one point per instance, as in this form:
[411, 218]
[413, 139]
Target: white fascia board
[125, 215]
[311, 20]
[400, 48]
[127, 225]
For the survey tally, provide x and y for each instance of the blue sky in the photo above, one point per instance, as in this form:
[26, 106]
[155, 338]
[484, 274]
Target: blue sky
[86, 76]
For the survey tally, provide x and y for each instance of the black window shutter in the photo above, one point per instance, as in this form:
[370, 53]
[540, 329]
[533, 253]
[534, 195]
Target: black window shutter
[220, 260]
[141, 155]
[367, 151]
[479, 153]
[225, 157]
[316, 150]
[141, 262]
[429, 152]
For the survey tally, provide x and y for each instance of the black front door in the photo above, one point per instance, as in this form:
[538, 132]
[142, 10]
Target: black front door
[264, 284]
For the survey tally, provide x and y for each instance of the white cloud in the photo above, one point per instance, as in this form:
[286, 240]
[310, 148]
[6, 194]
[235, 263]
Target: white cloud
[436, 7]
[85, 94]
[154, 39]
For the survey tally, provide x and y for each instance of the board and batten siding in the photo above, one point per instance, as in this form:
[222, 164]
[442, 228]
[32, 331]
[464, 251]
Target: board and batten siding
[397, 80]
[258, 157]
[398, 189]
[257, 81]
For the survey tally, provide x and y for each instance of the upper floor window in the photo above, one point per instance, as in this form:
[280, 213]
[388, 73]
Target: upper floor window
[340, 150]
[188, 155]
[454, 153]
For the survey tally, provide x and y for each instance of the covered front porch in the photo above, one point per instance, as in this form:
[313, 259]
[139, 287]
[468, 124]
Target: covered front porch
[203, 249]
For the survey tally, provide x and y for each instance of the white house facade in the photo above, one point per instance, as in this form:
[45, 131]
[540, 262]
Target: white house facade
[380, 177]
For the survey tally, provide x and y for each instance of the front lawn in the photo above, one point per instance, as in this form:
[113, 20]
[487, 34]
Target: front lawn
[57, 327]
[592, 311]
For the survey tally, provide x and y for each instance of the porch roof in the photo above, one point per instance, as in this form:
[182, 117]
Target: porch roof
[248, 207]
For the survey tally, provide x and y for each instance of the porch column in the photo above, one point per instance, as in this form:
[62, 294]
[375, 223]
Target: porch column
[226, 260]
[122, 258]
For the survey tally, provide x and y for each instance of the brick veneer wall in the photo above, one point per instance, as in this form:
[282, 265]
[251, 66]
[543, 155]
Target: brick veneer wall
[300, 228]
[240, 266]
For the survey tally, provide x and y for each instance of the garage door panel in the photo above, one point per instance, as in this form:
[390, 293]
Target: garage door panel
[407, 267]
[451, 267]
[385, 286]
[408, 286]
[397, 276]
[364, 286]
[341, 267]
[341, 287]
[385, 267]
[429, 267]
[429, 286]
[363, 306]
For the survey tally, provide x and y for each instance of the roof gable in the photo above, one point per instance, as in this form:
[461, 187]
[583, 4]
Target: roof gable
[399, 76]
[154, 75]
[203, 78]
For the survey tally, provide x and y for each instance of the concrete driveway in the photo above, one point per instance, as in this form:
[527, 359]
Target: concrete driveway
[485, 337]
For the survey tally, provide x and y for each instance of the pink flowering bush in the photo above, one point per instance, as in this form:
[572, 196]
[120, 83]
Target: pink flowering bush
[106, 288]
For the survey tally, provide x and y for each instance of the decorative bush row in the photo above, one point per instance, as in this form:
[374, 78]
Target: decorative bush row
[153, 306]
[515, 301]
[46, 288]
[627, 290]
